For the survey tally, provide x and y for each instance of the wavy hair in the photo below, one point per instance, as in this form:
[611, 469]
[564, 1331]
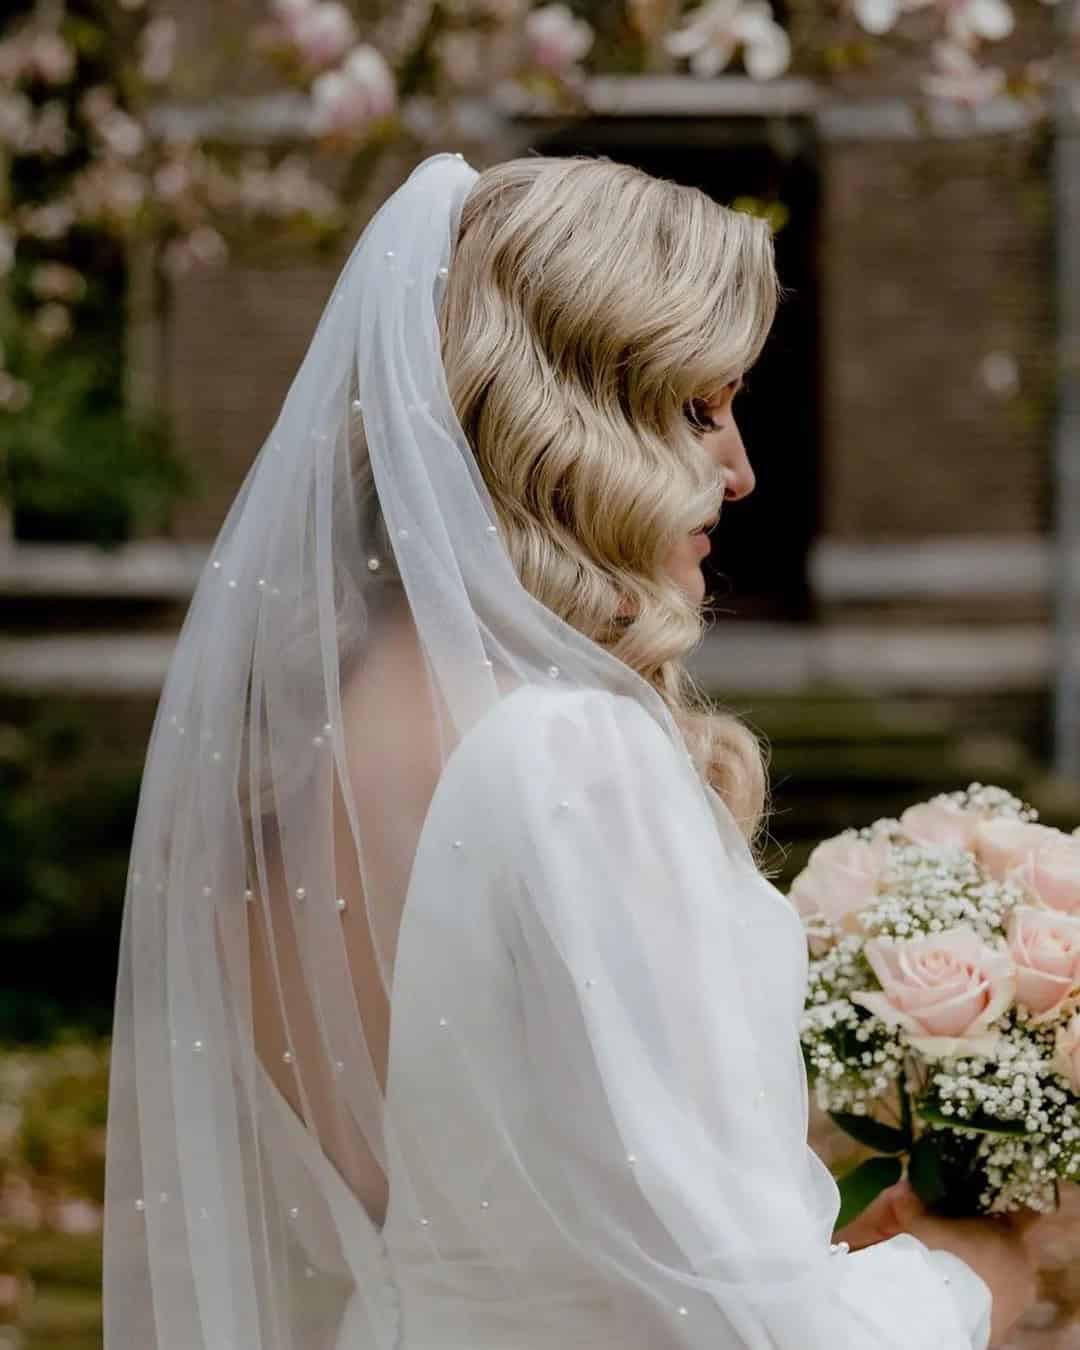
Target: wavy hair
[587, 303]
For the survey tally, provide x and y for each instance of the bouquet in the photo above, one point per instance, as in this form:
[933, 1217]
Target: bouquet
[941, 1026]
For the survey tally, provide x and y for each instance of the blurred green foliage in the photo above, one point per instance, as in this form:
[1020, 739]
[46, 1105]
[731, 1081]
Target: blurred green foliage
[78, 466]
[52, 1120]
[52, 1169]
[78, 462]
[68, 795]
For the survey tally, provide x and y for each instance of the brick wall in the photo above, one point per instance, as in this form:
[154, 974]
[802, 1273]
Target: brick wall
[236, 339]
[935, 256]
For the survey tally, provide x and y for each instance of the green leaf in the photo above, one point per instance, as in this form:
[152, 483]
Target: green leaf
[872, 1133]
[1011, 1128]
[863, 1184]
[925, 1172]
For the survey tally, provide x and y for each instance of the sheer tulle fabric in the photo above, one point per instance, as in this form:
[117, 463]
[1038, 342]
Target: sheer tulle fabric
[451, 1009]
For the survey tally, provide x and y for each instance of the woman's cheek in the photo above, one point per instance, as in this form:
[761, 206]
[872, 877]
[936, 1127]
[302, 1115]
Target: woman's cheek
[684, 568]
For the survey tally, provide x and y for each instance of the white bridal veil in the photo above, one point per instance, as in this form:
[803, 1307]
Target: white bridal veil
[595, 1079]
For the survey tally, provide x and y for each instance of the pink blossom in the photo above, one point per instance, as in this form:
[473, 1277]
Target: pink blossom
[1042, 860]
[177, 259]
[965, 20]
[172, 180]
[1002, 844]
[121, 134]
[53, 322]
[461, 55]
[77, 1216]
[204, 246]
[207, 246]
[50, 221]
[57, 281]
[1000, 374]
[958, 77]
[877, 16]
[7, 249]
[97, 103]
[15, 1290]
[1052, 875]
[1066, 1060]
[14, 394]
[1045, 948]
[50, 135]
[841, 877]
[12, 59]
[940, 823]
[943, 989]
[108, 191]
[16, 121]
[158, 50]
[288, 189]
[349, 100]
[714, 32]
[970, 21]
[556, 39]
[319, 33]
[51, 58]
[118, 131]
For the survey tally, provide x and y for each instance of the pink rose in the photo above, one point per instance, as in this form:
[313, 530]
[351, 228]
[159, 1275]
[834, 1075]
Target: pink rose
[841, 877]
[1045, 948]
[1067, 1051]
[1002, 844]
[940, 824]
[943, 989]
[1051, 875]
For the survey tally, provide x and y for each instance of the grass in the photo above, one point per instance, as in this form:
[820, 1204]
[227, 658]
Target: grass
[64, 1311]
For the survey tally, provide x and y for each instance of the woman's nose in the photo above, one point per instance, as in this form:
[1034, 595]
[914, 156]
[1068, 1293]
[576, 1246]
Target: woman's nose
[737, 469]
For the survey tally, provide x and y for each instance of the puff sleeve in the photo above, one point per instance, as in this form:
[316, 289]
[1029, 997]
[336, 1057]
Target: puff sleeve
[661, 979]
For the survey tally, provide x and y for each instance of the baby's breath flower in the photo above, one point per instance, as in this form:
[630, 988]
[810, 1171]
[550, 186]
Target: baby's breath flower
[1019, 1117]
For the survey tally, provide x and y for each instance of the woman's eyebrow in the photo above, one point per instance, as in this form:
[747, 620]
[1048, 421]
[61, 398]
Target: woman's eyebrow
[733, 385]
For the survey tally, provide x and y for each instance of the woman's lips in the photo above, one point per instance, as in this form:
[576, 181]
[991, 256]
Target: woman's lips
[710, 524]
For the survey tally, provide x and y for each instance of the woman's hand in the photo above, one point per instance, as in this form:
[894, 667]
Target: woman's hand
[998, 1249]
[882, 1218]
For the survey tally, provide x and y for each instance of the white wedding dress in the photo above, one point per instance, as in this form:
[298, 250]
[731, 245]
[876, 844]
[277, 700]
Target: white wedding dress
[642, 1159]
[433, 924]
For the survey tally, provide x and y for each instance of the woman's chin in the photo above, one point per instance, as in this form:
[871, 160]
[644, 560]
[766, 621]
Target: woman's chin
[691, 579]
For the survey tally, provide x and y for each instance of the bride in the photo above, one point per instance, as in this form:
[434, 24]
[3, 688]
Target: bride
[453, 1012]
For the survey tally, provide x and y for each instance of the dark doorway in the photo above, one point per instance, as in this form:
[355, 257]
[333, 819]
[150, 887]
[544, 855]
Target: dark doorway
[758, 566]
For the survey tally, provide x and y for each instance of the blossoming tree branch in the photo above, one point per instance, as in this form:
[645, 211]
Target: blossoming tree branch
[80, 152]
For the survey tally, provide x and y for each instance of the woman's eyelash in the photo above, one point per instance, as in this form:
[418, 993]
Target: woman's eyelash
[696, 412]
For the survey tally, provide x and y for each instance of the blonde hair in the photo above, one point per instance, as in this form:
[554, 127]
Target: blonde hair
[587, 302]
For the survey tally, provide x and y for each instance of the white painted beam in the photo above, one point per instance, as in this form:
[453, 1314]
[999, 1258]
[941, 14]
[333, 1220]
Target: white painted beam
[86, 663]
[156, 569]
[943, 568]
[874, 659]
[268, 118]
[745, 658]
